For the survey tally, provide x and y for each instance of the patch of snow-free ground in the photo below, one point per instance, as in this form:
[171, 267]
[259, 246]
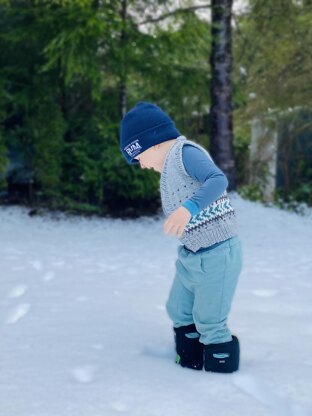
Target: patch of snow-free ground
[84, 330]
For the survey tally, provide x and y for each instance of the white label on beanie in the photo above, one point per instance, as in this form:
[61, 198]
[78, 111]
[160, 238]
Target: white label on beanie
[133, 148]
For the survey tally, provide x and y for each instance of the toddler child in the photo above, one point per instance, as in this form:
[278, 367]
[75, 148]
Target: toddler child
[199, 212]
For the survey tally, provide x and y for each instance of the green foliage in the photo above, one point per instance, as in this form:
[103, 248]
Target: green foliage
[76, 27]
[294, 172]
[3, 163]
[61, 96]
[172, 69]
[241, 154]
[272, 45]
[294, 201]
[3, 149]
[46, 127]
[63, 65]
[252, 192]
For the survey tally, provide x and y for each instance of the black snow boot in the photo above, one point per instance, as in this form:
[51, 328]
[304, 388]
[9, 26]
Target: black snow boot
[222, 358]
[189, 349]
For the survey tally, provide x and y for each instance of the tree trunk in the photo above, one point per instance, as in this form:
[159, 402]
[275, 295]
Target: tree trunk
[221, 134]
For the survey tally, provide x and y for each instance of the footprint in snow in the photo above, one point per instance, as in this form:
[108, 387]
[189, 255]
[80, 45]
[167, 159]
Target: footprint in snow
[97, 346]
[18, 268]
[82, 299]
[257, 388]
[262, 293]
[59, 263]
[119, 407]
[158, 352]
[17, 291]
[36, 264]
[17, 313]
[48, 276]
[84, 374]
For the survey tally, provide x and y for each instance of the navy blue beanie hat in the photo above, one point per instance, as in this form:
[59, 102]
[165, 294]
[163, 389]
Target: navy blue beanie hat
[142, 127]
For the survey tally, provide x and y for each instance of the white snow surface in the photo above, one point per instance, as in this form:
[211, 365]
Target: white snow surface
[84, 329]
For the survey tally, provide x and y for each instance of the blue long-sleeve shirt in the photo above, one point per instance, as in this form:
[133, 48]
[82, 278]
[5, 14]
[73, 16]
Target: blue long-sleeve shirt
[199, 166]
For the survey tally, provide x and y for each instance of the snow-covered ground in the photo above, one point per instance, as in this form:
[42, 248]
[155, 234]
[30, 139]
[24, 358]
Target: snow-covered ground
[84, 331]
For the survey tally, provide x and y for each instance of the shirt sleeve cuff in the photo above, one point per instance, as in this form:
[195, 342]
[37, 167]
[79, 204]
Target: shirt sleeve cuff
[191, 206]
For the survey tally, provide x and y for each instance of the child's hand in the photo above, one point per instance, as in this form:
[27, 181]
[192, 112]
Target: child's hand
[176, 222]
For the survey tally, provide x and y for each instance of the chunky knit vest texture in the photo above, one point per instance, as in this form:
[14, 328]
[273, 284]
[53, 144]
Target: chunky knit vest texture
[215, 223]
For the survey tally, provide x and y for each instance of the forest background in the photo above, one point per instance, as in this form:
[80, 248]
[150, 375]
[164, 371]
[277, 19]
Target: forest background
[70, 69]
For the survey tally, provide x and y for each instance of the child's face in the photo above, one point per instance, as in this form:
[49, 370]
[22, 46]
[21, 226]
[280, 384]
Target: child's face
[153, 157]
[150, 158]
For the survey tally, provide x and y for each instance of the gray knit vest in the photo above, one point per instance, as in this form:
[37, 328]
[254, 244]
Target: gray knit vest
[215, 223]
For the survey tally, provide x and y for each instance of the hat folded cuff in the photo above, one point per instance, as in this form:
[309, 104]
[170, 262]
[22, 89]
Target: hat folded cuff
[150, 137]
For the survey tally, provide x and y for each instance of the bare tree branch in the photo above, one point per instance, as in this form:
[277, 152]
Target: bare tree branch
[174, 12]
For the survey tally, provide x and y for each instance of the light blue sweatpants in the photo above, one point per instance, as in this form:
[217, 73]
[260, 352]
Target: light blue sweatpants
[203, 289]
